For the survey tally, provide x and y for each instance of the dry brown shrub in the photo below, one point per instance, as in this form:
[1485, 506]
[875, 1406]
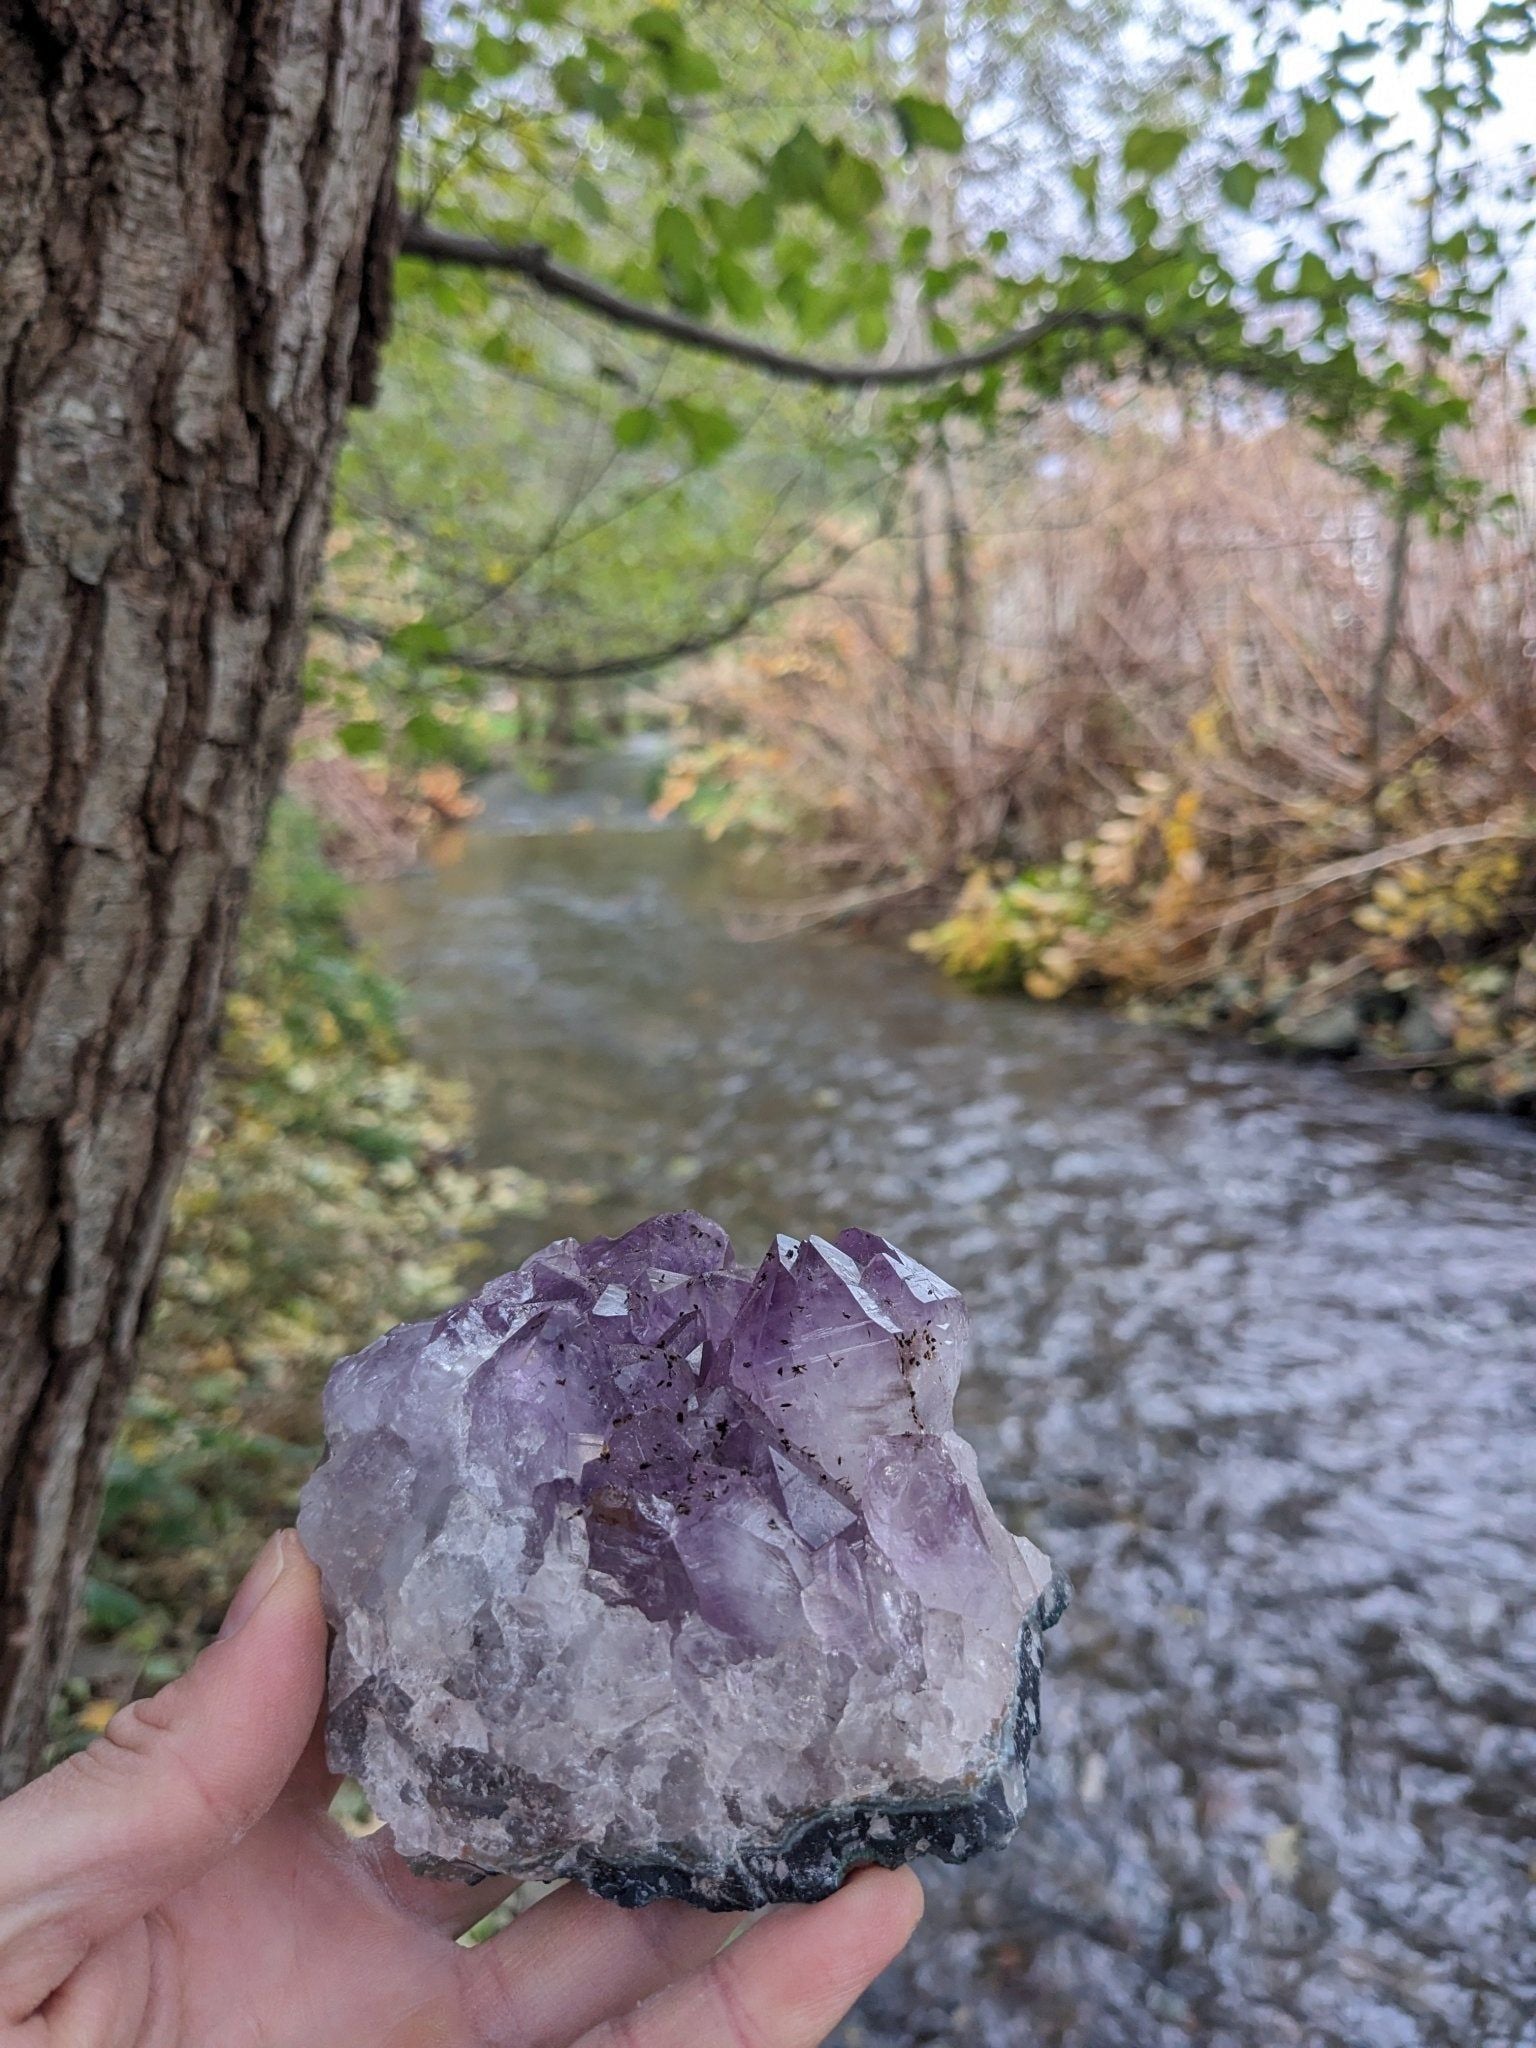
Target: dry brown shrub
[1150, 595]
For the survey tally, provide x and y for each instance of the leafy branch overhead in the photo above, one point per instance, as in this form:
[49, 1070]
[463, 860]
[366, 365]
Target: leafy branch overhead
[686, 295]
[660, 212]
[1082, 324]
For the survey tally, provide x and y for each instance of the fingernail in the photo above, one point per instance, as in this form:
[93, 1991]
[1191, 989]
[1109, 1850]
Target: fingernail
[271, 1562]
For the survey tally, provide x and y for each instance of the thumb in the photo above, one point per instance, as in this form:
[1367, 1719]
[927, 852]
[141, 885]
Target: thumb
[170, 1786]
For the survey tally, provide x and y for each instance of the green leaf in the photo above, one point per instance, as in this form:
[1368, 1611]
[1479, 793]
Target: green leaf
[499, 56]
[685, 67]
[360, 736]
[755, 221]
[795, 256]
[1151, 151]
[422, 639]
[588, 196]
[571, 80]
[709, 432]
[1314, 280]
[693, 70]
[583, 91]
[110, 1608]
[1141, 218]
[635, 426]
[450, 86]
[915, 244]
[747, 226]
[681, 257]
[1305, 150]
[429, 734]
[739, 288]
[677, 239]
[655, 131]
[927, 124]
[500, 350]
[1240, 185]
[852, 187]
[818, 311]
[798, 168]
[1259, 86]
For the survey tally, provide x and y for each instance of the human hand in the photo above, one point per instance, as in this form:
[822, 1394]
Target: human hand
[181, 1884]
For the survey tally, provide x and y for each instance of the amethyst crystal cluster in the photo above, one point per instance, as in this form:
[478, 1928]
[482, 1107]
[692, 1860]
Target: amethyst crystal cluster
[675, 1578]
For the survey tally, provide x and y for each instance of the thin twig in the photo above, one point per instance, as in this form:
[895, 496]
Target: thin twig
[1350, 870]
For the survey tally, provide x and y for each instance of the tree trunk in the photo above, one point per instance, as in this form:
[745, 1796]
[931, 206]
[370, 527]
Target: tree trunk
[943, 636]
[560, 730]
[196, 235]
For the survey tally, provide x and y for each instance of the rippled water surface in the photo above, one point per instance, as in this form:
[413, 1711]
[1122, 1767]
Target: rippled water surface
[1256, 1362]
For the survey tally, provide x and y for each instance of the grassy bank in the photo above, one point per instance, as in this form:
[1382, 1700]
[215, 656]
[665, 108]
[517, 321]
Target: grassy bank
[328, 1196]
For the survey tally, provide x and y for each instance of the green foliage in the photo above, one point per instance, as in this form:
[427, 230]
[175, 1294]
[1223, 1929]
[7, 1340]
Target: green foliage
[546, 494]
[506, 517]
[925, 124]
[1148, 152]
[588, 114]
[1032, 931]
[326, 1198]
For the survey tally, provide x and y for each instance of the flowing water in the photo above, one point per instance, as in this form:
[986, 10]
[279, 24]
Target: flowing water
[1256, 1363]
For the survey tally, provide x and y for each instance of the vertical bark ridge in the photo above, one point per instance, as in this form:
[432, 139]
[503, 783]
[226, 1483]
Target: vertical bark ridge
[196, 205]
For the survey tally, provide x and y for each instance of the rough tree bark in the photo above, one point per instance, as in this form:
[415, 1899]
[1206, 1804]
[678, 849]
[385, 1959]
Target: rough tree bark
[196, 236]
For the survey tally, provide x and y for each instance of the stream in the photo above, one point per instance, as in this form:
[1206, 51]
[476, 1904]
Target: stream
[1256, 1363]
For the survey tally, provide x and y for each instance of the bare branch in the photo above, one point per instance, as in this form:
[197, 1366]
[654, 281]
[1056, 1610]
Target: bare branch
[531, 260]
[603, 668]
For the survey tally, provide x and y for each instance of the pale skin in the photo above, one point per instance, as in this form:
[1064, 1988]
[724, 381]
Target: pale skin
[181, 1884]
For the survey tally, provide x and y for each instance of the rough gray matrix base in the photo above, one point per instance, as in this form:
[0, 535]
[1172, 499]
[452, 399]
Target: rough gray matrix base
[674, 1578]
[811, 1860]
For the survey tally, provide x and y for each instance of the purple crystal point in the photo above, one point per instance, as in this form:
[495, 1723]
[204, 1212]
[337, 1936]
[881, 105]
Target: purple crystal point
[675, 1578]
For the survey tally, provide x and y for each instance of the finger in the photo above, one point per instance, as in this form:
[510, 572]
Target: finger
[452, 1905]
[312, 1784]
[572, 1960]
[172, 1784]
[789, 1979]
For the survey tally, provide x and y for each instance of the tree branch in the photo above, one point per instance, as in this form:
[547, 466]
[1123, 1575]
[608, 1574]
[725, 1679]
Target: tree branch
[604, 668]
[531, 260]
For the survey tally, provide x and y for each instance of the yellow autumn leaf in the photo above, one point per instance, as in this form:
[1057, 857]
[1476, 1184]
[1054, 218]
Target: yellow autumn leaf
[1204, 730]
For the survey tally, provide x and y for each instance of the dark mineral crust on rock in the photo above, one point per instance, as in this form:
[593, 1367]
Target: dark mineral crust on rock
[675, 1578]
